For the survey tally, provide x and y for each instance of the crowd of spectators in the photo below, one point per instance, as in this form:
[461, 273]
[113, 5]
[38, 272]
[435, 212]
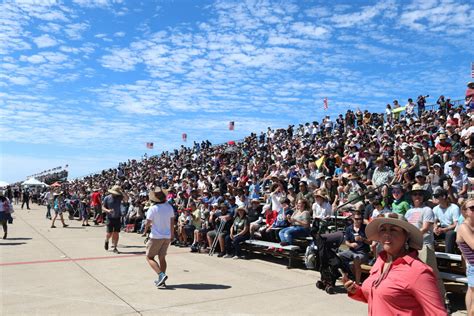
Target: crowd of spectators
[272, 185]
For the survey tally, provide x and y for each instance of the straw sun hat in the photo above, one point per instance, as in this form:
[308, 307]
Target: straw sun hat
[415, 237]
[116, 190]
[158, 195]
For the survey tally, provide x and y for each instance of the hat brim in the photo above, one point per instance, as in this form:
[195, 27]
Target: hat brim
[160, 198]
[414, 234]
[114, 192]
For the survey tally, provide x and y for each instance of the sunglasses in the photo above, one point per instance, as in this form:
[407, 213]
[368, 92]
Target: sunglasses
[470, 207]
[396, 192]
[417, 194]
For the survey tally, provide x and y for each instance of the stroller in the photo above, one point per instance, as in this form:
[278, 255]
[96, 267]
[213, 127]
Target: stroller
[327, 262]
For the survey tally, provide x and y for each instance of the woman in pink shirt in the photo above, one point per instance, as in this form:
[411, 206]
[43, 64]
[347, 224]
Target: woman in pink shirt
[399, 283]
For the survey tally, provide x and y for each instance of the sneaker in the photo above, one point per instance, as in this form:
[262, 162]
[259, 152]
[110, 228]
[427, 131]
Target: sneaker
[106, 245]
[65, 225]
[88, 225]
[83, 224]
[115, 250]
[228, 256]
[235, 257]
[221, 254]
[52, 226]
[161, 279]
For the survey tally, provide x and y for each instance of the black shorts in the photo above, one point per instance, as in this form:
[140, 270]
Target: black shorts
[113, 225]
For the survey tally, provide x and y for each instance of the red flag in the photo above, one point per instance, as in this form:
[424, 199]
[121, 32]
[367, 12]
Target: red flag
[149, 145]
[325, 103]
[231, 125]
[184, 136]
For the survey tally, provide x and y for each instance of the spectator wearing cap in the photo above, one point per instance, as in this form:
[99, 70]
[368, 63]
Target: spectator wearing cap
[421, 216]
[265, 226]
[356, 240]
[407, 164]
[321, 207]
[422, 154]
[216, 197]
[420, 179]
[239, 232]
[446, 219]
[454, 160]
[460, 182]
[354, 187]
[399, 204]
[291, 194]
[300, 222]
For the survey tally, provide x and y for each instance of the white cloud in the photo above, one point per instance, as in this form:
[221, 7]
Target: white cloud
[310, 30]
[120, 60]
[119, 34]
[21, 81]
[45, 41]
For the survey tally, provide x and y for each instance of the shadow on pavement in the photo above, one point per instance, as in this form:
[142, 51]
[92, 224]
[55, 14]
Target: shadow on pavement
[197, 286]
[128, 246]
[132, 252]
[20, 238]
[11, 243]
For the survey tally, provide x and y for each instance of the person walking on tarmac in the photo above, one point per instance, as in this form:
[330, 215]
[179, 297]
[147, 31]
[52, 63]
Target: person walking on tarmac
[111, 207]
[161, 219]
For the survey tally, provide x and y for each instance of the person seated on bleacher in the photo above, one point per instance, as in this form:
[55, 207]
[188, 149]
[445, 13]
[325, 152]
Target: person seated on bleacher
[221, 214]
[300, 222]
[446, 219]
[282, 220]
[356, 239]
[378, 208]
[399, 204]
[321, 207]
[239, 232]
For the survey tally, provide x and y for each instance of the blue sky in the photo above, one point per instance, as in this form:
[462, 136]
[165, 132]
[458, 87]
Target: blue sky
[88, 83]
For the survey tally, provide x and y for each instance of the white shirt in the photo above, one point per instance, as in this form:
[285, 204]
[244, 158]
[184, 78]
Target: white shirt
[321, 211]
[160, 215]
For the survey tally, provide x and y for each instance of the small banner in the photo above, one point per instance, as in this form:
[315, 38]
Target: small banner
[149, 145]
[184, 136]
[231, 125]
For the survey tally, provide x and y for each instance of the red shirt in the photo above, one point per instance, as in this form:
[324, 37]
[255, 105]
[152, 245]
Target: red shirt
[271, 217]
[446, 148]
[95, 198]
[409, 288]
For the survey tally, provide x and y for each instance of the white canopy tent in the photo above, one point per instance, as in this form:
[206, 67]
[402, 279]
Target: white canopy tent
[3, 184]
[32, 182]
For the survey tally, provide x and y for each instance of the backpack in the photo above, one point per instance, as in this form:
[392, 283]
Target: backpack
[310, 256]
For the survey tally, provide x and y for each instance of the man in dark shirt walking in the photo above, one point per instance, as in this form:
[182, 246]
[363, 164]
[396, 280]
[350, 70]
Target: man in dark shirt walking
[111, 207]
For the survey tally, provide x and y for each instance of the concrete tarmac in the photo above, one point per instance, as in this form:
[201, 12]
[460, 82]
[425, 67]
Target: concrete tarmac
[66, 271]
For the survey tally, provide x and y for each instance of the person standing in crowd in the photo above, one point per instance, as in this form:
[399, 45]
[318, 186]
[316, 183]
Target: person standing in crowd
[112, 207]
[465, 241]
[26, 198]
[58, 206]
[16, 195]
[160, 218]
[6, 210]
[399, 281]
[96, 205]
[48, 199]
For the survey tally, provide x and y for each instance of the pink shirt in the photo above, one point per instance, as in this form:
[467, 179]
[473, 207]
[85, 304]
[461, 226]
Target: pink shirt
[409, 288]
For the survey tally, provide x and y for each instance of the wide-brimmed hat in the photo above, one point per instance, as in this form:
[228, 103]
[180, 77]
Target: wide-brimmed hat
[321, 193]
[415, 237]
[95, 189]
[442, 136]
[418, 188]
[158, 195]
[116, 190]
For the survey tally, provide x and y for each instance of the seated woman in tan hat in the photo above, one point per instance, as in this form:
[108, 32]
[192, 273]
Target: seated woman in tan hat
[399, 283]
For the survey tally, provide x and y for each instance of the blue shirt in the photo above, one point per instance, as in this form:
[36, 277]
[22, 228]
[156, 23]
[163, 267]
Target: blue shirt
[446, 216]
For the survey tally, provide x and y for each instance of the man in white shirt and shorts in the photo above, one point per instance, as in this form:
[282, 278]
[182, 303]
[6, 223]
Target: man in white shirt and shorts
[161, 219]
